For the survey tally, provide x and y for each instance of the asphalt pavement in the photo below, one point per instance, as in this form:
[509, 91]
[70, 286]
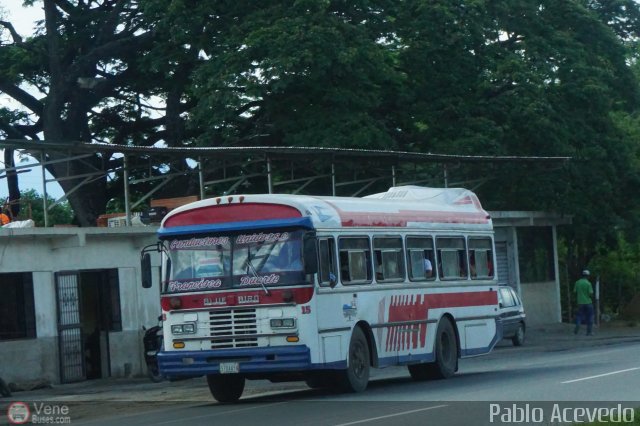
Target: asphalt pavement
[553, 337]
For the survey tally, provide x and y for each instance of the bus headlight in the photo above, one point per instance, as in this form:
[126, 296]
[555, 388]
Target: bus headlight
[283, 323]
[186, 328]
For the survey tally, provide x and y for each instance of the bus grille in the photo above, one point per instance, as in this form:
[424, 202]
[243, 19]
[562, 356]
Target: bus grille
[228, 326]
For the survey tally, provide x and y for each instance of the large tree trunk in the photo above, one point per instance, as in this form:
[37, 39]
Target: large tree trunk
[89, 200]
[12, 183]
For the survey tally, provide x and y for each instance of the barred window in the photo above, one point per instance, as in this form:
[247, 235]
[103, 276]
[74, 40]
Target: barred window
[17, 312]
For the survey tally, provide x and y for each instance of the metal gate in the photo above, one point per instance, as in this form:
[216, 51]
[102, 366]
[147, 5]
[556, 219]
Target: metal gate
[72, 367]
[502, 259]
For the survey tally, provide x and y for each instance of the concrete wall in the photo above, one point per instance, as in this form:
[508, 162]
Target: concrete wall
[29, 359]
[45, 251]
[540, 303]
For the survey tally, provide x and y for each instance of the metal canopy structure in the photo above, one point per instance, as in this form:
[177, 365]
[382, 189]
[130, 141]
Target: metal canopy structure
[227, 170]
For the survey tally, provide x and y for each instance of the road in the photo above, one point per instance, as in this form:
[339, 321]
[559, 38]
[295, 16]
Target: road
[487, 390]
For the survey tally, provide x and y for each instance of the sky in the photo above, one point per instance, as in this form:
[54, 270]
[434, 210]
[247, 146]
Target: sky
[23, 20]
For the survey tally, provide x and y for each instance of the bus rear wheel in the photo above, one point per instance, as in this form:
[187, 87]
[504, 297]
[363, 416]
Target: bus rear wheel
[356, 377]
[446, 351]
[226, 388]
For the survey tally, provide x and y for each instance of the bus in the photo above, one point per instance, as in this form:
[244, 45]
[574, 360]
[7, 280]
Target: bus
[323, 289]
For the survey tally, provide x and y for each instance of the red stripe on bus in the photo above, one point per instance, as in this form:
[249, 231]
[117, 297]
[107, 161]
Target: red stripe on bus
[239, 298]
[416, 307]
[232, 213]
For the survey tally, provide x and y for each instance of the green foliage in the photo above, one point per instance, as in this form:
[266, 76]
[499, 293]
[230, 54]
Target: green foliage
[619, 273]
[31, 202]
[310, 73]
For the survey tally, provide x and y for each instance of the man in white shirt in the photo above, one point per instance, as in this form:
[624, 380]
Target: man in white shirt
[428, 268]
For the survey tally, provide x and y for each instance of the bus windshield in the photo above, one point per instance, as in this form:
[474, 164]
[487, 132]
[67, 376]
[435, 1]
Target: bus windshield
[251, 259]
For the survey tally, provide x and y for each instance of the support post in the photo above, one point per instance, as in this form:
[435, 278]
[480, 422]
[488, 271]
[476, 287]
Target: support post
[201, 178]
[45, 207]
[597, 307]
[393, 175]
[554, 236]
[127, 202]
[446, 176]
[269, 181]
[333, 179]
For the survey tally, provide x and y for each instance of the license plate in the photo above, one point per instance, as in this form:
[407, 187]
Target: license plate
[229, 367]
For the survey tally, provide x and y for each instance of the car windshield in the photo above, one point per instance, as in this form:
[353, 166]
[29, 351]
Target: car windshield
[251, 259]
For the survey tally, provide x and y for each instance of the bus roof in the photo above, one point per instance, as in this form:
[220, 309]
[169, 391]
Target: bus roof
[404, 206]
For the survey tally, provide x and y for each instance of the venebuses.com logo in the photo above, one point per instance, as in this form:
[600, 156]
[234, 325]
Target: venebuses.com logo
[18, 413]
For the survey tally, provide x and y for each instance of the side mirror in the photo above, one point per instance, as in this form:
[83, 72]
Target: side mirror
[145, 270]
[310, 253]
[332, 281]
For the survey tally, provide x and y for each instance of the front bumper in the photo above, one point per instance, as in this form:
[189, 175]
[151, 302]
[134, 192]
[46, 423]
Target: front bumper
[273, 359]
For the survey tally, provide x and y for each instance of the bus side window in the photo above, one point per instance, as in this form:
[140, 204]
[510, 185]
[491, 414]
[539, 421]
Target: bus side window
[480, 258]
[355, 260]
[327, 264]
[420, 258]
[452, 258]
[389, 261]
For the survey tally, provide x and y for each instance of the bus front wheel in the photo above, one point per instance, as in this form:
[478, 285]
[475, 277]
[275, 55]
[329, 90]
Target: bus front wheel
[226, 388]
[356, 377]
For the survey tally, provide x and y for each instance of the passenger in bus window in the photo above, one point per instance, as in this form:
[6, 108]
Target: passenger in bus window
[428, 267]
[463, 264]
[344, 267]
[379, 274]
[472, 264]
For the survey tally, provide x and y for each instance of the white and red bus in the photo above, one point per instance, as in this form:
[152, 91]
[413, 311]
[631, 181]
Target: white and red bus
[293, 287]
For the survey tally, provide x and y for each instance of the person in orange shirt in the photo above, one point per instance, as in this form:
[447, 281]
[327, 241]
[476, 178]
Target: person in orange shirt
[4, 219]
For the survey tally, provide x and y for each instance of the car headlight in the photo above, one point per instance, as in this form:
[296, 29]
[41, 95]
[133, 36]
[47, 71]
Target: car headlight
[187, 328]
[283, 323]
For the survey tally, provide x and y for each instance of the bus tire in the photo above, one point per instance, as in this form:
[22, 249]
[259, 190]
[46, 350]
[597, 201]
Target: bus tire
[356, 377]
[446, 352]
[226, 389]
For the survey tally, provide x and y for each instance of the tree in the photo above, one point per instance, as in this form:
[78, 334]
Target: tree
[304, 72]
[60, 214]
[529, 78]
[475, 77]
[84, 77]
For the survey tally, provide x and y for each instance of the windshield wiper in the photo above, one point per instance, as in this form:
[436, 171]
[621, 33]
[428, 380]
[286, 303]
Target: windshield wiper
[255, 274]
